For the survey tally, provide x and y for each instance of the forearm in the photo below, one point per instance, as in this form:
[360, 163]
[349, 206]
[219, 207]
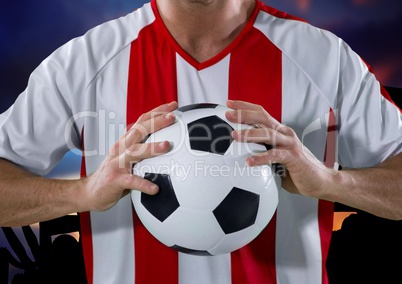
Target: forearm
[376, 190]
[27, 199]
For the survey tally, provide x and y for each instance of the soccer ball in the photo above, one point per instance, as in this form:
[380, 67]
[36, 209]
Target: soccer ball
[210, 202]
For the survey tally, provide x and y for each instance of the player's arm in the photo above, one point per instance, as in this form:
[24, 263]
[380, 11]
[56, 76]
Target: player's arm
[377, 190]
[27, 198]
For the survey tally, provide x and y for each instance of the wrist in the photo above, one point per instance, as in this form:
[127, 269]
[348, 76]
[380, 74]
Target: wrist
[335, 185]
[80, 193]
[73, 192]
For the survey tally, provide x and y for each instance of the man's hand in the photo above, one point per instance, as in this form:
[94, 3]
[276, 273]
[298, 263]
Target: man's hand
[114, 178]
[305, 175]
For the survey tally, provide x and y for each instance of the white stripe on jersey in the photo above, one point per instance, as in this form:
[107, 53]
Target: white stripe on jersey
[208, 85]
[200, 86]
[112, 231]
[193, 269]
[113, 228]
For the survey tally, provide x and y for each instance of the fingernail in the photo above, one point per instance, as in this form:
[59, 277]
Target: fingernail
[153, 188]
[232, 113]
[161, 144]
[169, 115]
[250, 161]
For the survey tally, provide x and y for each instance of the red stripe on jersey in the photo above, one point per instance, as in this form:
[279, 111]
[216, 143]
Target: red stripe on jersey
[86, 238]
[86, 230]
[257, 80]
[326, 208]
[152, 82]
[330, 146]
[325, 224]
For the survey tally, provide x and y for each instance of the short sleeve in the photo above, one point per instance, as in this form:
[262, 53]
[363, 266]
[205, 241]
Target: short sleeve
[39, 128]
[47, 119]
[370, 124]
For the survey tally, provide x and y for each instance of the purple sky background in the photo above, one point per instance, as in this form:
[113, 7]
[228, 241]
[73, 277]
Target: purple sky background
[30, 30]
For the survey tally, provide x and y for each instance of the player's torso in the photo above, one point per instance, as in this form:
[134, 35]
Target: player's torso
[153, 70]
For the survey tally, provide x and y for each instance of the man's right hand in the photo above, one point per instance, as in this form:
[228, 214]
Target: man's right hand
[114, 178]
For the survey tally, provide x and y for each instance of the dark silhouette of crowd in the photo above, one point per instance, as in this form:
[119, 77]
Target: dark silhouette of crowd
[58, 258]
[367, 249]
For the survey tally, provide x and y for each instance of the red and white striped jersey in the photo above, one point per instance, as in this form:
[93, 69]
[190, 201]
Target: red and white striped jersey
[90, 89]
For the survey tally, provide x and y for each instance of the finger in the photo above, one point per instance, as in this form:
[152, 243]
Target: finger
[258, 114]
[273, 156]
[135, 182]
[138, 152]
[262, 135]
[160, 110]
[141, 130]
[252, 117]
[237, 105]
[285, 130]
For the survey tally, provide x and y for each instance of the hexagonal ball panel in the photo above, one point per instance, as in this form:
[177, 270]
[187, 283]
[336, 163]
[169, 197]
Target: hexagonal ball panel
[210, 134]
[164, 203]
[237, 211]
